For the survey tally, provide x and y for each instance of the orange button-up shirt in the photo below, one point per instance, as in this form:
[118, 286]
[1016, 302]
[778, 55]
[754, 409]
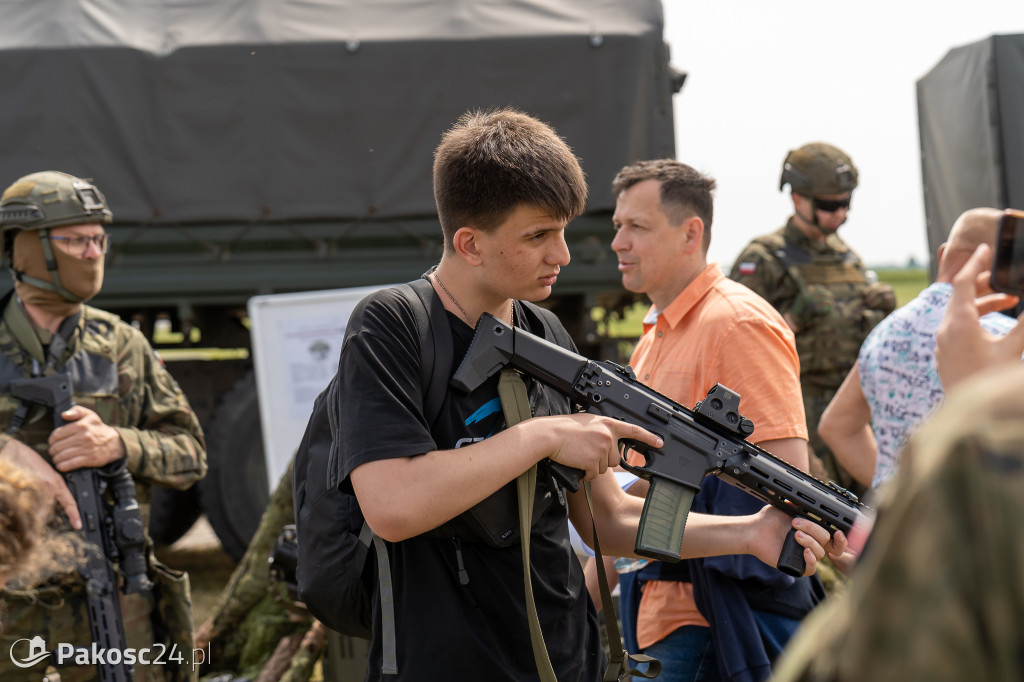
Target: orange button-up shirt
[716, 332]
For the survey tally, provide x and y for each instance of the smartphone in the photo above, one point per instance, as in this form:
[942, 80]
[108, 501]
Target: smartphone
[1008, 261]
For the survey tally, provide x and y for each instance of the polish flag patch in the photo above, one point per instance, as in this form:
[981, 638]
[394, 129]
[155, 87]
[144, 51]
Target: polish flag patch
[747, 268]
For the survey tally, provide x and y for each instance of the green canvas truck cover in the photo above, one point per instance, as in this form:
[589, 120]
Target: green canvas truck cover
[267, 110]
[970, 109]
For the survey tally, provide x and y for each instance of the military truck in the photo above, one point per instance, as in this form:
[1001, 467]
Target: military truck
[970, 105]
[254, 147]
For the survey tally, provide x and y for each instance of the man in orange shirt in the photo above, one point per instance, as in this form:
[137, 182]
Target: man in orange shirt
[705, 329]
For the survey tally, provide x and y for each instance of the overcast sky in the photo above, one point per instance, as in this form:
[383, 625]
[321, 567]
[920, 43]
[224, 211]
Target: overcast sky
[764, 78]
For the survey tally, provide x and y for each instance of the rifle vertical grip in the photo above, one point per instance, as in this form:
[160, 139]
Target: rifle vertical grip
[663, 519]
[791, 559]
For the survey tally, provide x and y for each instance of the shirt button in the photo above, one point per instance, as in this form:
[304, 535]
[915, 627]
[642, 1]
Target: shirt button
[660, 334]
[646, 377]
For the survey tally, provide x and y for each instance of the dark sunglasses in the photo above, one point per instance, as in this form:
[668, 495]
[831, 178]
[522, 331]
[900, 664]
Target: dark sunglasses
[831, 205]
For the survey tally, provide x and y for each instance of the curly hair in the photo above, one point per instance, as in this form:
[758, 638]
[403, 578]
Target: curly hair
[29, 550]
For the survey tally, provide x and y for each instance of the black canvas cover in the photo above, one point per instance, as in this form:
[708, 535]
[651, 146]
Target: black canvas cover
[970, 110]
[258, 110]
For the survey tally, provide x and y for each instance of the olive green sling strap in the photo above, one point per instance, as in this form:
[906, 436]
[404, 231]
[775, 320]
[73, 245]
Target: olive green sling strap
[515, 404]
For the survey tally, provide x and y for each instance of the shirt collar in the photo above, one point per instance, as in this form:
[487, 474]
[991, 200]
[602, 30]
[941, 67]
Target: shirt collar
[687, 299]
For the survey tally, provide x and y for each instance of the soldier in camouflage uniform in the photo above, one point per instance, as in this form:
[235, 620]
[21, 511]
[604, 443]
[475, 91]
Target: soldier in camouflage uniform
[126, 406]
[809, 274]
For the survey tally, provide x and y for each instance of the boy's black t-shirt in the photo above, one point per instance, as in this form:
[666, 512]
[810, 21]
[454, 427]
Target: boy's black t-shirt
[460, 612]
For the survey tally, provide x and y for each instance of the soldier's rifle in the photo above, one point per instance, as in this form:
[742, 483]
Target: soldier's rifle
[115, 532]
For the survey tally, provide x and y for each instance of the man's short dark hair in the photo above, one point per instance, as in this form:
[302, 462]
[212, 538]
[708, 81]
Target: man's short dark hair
[685, 192]
[490, 163]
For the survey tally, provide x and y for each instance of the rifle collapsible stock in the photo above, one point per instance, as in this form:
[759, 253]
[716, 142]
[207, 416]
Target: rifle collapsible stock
[710, 439]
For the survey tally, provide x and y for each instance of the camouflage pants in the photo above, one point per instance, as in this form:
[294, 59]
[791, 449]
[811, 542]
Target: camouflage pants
[823, 462]
[61, 616]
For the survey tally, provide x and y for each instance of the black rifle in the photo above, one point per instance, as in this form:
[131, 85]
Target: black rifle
[114, 532]
[711, 439]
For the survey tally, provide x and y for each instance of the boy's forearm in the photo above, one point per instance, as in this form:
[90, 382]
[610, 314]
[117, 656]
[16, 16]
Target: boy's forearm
[406, 496]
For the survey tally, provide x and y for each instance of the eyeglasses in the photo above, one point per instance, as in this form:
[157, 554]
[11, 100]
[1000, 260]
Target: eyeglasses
[78, 246]
[831, 205]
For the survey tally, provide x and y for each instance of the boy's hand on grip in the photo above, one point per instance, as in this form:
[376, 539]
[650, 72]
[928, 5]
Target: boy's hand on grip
[591, 443]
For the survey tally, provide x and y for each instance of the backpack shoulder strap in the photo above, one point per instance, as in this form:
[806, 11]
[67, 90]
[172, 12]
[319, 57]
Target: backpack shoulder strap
[435, 368]
[435, 344]
[549, 322]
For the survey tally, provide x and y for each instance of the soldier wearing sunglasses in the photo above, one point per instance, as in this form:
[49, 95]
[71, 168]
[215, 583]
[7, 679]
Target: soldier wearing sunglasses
[810, 275]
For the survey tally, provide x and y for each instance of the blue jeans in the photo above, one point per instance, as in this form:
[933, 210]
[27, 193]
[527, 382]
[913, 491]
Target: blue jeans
[686, 656]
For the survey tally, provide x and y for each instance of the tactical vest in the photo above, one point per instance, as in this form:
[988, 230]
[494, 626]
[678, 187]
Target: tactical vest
[94, 379]
[829, 346]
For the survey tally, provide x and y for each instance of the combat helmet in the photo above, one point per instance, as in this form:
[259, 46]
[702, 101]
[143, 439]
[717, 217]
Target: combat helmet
[42, 201]
[818, 169]
[51, 199]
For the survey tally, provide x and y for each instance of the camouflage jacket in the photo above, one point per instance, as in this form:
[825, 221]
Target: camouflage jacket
[823, 287]
[939, 593]
[116, 373]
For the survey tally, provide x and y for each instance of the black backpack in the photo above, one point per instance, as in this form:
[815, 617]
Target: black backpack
[337, 574]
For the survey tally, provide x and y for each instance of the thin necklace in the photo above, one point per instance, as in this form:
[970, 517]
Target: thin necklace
[512, 306]
[457, 305]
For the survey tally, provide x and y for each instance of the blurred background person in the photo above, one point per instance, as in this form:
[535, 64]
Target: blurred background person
[895, 384]
[809, 274]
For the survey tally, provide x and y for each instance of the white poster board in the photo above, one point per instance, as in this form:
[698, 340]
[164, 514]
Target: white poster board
[296, 340]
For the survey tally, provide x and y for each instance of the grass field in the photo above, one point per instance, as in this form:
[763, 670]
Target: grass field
[906, 282]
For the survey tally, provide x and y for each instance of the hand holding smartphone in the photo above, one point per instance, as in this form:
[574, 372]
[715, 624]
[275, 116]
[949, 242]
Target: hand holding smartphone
[963, 346]
[1008, 260]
